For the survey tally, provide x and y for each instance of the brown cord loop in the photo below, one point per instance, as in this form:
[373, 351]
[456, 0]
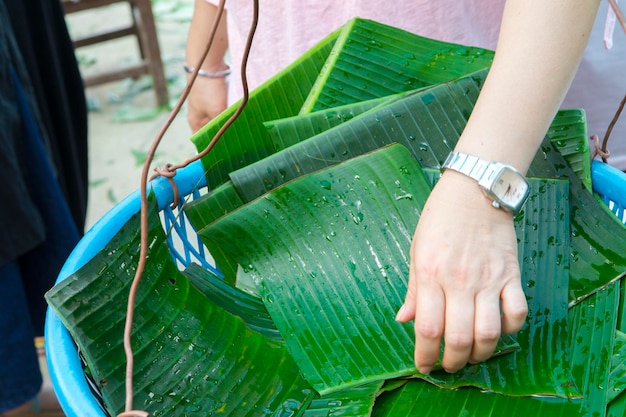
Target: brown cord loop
[169, 171]
[597, 149]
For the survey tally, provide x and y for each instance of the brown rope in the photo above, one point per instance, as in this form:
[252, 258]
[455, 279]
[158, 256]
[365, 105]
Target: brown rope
[602, 151]
[597, 149]
[169, 171]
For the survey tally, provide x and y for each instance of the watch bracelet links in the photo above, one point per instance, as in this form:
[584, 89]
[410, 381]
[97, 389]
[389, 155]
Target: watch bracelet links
[467, 164]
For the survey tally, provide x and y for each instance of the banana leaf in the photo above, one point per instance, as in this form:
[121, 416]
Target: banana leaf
[419, 398]
[237, 302]
[440, 111]
[567, 131]
[370, 60]
[323, 68]
[617, 408]
[597, 257]
[191, 356]
[568, 134]
[617, 378]
[591, 324]
[246, 140]
[592, 330]
[354, 402]
[291, 130]
[429, 122]
[333, 245]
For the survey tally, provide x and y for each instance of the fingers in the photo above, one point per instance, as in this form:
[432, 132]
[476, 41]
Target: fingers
[459, 331]
[429, 325]
[514, 308]
[486, 327]
[469, 322]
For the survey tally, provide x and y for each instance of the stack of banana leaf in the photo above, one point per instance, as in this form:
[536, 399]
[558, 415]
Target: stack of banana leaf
[313, 195]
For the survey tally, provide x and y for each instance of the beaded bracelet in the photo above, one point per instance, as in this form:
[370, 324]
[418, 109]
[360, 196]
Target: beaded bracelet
[208, 74]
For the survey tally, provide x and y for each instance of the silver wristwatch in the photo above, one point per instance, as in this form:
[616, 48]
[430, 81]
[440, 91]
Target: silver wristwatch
[504, 185]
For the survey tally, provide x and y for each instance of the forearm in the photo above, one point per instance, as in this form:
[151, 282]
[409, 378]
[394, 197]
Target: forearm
[540, 46]
[199, 33]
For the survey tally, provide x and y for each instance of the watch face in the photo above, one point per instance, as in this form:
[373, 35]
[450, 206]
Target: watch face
[510, 188]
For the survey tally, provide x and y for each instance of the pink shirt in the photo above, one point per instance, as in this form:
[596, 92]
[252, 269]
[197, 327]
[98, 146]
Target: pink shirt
[288, 28]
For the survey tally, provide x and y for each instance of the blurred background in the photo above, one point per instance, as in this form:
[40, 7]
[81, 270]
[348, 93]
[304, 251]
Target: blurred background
[124, 115]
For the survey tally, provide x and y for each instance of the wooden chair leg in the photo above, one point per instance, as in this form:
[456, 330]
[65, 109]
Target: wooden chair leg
[142, 10]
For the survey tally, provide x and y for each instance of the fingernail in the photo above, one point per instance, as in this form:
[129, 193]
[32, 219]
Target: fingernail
[400, 312]
[425, 369]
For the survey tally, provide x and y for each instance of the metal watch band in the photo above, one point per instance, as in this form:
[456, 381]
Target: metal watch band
[470, 165]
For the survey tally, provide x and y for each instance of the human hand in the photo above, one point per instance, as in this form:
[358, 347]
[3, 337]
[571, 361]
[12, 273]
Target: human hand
[208, 98]
[463, 264]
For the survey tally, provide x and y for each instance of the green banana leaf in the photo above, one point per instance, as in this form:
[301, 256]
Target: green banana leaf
[591, 324]
[191, 356]
[337, 317]
[253, 165]
[592, 331]
[370, 60]
[91, 285]
[291, 130]
[617, 378]
[429, 122]
[568, 133]
[419, 398]
[417, 120]
[354, 402]
[284, 95]
[617, 408]
[237, 302]
[246, 140]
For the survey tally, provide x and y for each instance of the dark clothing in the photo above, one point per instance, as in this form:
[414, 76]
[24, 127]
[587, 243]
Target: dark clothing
[43, 185]
[48, 55]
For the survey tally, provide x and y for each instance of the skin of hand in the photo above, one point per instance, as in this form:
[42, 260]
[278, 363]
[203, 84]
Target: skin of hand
[464, 278]
[208, 96]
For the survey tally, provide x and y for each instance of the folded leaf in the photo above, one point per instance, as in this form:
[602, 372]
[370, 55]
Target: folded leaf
[247, 139]
[440, 111]
[335, 307]
[568, 132]
[191, 357]
[371, 60]
[331, 251]
[353, 402]
[237, 302]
